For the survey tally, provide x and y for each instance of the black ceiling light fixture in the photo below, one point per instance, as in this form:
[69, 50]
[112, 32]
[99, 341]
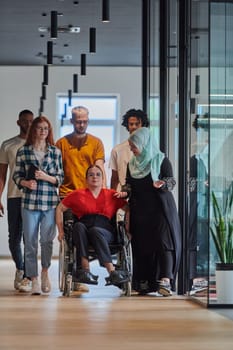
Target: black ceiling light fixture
[105, 11]
[75, 82]
[83, 64]
[68, 29]
[65, 110]
[43, 91]
[69, 97]
[49, 52]
[197, 84]
[64, 115]
[41, 106]
[92, 40]
[45, 75]
[53, 27]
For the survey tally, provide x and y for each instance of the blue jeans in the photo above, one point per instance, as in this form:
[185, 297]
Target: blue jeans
[35, 222]
[14, 218]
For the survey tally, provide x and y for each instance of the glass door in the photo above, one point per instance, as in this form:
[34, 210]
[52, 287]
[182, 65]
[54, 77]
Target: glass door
[198, 183]
[221, 146]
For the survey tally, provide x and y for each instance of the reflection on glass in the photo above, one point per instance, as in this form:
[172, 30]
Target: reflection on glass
[221, 124]
[198, 237]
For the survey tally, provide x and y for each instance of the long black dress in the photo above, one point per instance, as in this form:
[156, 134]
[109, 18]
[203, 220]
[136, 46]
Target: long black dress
[155, 230]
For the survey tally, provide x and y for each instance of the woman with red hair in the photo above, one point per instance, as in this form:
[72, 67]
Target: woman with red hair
[38, 173]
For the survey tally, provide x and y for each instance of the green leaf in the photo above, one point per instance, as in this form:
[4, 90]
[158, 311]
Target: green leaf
[222, 227]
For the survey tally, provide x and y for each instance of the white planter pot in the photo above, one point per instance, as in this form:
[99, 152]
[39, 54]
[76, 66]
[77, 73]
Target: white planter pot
[224, 283]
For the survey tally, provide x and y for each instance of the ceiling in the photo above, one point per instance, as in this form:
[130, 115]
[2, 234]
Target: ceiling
[118, 42]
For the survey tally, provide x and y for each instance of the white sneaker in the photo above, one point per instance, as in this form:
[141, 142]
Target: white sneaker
[165, 288]
[199, 287]
[80, 287]
[35, 287]
[25, 285]
[18, 278]
[45, 283]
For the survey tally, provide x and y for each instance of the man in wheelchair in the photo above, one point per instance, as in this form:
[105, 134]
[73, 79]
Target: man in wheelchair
[94, 207]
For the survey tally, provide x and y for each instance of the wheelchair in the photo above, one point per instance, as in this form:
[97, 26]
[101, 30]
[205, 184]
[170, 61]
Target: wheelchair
[121, 252]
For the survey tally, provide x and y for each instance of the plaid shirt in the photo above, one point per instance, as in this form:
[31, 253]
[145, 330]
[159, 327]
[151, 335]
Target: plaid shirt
[46, 195]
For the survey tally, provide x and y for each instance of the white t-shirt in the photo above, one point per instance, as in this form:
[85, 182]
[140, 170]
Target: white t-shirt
[8, 152]
[119, 159]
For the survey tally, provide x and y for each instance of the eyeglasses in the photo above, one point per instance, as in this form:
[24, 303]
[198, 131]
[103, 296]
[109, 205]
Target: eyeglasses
[79, 122]
[42, 129]
[94, 174]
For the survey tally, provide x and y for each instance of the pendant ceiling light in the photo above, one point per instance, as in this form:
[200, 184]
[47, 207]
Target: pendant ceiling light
[197, 84]
[75, 83]
[41, 106]
[92, 40]
[105, 11]
[46, 75]
[49, 52]
[83, 64]
[43, 92]
[69, 98]
[53, 27]
[65, 110]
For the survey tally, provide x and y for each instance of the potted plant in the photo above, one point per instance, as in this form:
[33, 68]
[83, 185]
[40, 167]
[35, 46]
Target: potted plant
[222, 234]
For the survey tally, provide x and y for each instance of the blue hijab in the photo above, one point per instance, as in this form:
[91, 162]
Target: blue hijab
[150, 158]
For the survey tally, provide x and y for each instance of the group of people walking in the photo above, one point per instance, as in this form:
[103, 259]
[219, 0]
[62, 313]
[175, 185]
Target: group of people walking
[49, 179]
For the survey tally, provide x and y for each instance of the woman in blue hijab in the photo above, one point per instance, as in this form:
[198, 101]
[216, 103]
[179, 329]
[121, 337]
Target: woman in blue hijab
[154, 223]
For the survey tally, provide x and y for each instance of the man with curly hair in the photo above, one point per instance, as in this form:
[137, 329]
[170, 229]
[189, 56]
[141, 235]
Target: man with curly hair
[121, 153]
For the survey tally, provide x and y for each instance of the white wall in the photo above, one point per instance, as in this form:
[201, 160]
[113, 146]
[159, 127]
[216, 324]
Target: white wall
[20, 88]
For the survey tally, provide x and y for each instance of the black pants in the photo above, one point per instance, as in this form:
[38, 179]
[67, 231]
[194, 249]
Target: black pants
[15, 231]
[98, 237]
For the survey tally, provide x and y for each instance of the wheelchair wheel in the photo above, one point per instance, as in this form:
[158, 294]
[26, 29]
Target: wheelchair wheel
[65, 264]
[129, 258]
[67, 285]
[127, 289]
[61, 266]
[129, 267]
[125, 263]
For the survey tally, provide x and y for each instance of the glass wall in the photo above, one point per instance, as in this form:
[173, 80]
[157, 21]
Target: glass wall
[154, 68]
[163, 75]
[172, 78]
[221, 146]
[211, 157]
[192, 76]
[198, 134]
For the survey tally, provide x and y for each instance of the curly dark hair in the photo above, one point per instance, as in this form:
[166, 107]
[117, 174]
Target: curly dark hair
[25, 111]
[138, 113]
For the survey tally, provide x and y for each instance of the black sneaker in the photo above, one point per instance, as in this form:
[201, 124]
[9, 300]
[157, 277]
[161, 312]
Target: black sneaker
[86, 277]
[117, 278]
[143, 288]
